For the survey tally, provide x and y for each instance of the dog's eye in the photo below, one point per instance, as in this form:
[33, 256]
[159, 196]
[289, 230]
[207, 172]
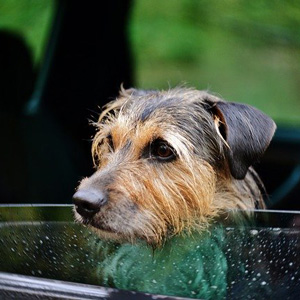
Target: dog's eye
[162, 150]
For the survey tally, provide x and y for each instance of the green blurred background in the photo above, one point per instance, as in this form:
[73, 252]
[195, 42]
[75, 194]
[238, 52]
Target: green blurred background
[246, 51]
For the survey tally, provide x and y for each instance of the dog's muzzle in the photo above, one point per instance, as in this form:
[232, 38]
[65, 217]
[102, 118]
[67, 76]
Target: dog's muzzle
[88, 202]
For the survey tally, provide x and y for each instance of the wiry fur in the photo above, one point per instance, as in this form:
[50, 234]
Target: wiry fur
[150, 199]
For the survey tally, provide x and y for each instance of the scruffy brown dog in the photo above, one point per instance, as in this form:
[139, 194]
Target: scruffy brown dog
[171, 161]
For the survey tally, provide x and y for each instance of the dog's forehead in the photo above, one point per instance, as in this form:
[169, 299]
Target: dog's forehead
[143, 106]
[158, 105]
[180, 118]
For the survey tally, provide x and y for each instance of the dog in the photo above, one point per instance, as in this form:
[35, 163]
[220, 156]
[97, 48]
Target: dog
[169, 162]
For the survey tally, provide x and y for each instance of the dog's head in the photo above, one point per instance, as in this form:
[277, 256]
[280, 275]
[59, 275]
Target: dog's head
[160, 157]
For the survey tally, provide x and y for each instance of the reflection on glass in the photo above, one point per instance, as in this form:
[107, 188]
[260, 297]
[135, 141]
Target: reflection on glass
[230, 261]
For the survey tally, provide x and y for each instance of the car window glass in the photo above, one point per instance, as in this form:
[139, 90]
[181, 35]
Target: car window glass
[258, 258]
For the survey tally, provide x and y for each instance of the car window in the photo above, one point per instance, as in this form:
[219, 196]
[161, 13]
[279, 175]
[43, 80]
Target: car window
[246, 51]
[257, 259]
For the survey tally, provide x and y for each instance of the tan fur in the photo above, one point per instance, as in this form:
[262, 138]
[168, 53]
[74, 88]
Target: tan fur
[152, 200]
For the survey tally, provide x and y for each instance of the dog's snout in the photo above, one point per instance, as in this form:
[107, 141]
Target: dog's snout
[88, 202]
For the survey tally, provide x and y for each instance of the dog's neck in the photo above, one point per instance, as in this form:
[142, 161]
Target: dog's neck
[243, 194]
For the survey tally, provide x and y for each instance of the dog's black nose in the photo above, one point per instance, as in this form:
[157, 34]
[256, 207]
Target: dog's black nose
[88, 202]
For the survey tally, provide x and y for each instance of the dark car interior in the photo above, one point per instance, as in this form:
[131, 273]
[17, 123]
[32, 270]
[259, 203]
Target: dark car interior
[46, 144]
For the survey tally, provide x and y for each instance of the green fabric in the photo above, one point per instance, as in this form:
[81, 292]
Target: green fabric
[191, 266]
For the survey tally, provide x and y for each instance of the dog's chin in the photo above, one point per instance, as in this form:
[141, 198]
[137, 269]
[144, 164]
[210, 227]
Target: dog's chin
[107, 234]
[122, 234]
[102, 231]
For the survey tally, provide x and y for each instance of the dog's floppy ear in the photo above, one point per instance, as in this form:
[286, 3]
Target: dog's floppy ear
[247, 132]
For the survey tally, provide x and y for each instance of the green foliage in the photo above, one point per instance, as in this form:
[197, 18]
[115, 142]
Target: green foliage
[30, 19]
[247, 51]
